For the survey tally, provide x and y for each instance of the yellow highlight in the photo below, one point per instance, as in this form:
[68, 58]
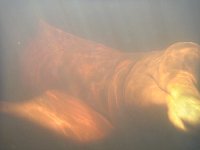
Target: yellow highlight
[92, 83]
[183, 108]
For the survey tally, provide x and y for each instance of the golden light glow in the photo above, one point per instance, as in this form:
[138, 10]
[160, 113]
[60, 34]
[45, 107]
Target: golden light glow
[183, 108]
[168, 78]
[183, 97]
[102, 80]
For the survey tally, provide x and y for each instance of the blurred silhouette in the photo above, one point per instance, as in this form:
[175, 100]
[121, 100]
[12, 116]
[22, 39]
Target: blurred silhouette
[83, 85]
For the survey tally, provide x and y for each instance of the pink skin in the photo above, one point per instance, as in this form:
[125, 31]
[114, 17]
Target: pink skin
[98, 80]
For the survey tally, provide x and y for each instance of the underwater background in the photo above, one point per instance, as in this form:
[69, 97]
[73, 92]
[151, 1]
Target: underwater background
[126, 25]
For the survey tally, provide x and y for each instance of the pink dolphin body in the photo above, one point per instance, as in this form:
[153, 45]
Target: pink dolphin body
[84, 84]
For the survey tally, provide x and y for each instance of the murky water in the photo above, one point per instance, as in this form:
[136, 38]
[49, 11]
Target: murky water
[139, 25]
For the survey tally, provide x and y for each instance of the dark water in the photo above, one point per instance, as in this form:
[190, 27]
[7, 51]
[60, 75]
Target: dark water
[139, 25]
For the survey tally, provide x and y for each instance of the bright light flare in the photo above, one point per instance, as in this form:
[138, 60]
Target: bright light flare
[178, 76]
[102, 80]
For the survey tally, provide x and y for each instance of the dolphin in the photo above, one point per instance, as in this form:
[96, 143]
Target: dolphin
[84, 84]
